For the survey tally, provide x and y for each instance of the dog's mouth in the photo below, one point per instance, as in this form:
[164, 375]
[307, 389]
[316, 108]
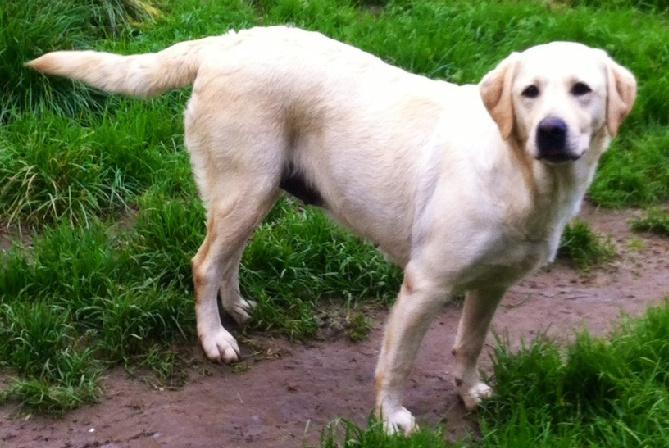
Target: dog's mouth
[557, 157]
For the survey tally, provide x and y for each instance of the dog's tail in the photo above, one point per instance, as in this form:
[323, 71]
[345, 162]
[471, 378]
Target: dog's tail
[142, 75]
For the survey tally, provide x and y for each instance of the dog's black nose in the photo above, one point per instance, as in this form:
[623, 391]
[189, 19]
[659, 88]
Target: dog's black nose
[552, 140]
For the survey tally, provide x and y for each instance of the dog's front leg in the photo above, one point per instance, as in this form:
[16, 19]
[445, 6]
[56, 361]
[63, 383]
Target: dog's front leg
[418, 302]
[477, 313]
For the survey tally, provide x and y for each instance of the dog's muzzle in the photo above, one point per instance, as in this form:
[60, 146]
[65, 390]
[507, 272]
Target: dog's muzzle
[552, 141]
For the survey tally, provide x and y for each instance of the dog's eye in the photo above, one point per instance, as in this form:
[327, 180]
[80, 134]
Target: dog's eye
[530, 91]
[580, 88]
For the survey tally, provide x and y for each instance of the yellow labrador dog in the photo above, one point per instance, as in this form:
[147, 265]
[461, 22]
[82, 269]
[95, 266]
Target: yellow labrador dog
[467, 188]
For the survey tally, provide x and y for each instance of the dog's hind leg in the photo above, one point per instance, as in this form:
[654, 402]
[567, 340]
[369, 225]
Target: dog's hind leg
[477, 313]
[233, 303]
[237, 142]
[231, 218]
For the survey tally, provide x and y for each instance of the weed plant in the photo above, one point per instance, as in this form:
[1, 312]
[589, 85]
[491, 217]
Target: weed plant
[584, 247]
[655, 221]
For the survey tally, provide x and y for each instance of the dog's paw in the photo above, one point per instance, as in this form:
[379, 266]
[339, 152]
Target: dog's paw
[473, 395]
[220, 346]
[240, 310]
[399, 421]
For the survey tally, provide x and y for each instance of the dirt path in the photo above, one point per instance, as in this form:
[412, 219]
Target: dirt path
[284, 402]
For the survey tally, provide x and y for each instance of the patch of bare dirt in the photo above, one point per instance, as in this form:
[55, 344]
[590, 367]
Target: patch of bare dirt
[285, 399]
[10, 234]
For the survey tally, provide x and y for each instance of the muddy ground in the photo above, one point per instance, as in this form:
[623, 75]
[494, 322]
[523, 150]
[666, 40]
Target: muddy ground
[290, 391]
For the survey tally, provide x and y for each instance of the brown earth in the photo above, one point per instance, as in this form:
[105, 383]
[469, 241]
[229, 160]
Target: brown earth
[289, 392]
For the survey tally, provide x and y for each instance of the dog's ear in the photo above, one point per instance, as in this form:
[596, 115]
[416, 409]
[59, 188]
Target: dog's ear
[621, 93]
[495, 90]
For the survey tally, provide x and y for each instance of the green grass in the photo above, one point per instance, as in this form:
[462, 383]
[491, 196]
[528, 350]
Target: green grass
[655, 221]
[345, 434]
[358, 327]
[57, 169]
[39, 342]
[122, 294]
[595, 393]
[102, 185]
[584, 247]
[635, 171]
[28, 29]
[287, 272]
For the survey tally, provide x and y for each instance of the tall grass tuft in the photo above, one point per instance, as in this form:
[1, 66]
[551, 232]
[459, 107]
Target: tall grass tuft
[55, 169]
[585, 248]
[596, 393]
[40, 344]
[32, 27]
[655, 221]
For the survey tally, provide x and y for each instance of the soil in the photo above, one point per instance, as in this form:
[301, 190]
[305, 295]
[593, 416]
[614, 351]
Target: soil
[284, 394]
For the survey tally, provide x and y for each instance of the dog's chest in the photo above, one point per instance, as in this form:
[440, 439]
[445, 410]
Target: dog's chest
[522, 246]
[507, 260]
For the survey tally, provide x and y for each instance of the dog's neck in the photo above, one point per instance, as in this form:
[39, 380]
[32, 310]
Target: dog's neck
[555, 193]
[558, 199]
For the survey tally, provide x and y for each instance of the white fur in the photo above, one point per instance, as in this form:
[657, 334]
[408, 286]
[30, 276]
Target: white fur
[442, 178]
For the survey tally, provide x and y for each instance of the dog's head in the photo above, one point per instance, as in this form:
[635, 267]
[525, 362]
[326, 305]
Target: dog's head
[555, 99]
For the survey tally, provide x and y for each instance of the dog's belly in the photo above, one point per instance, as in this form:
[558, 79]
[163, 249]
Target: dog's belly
[297, 186]
[386, 227]
[365, 175]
